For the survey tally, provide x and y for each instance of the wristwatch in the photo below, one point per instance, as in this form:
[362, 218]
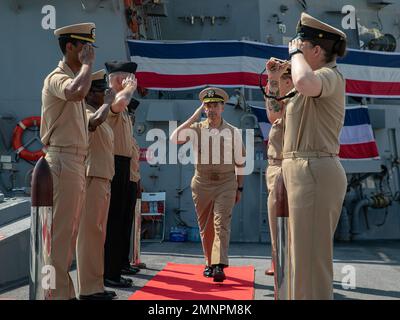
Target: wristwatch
[294, 51]
[240, 189]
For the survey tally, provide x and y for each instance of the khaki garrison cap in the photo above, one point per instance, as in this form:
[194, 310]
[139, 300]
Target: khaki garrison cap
[99, 79]
[213, 94]
[81, 31]
[309, 28]
[99, 75]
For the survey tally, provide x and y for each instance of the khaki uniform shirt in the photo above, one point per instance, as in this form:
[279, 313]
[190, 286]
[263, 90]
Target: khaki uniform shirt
[135, 169]
[314, 123]
[122, 127]
[64, 123]
[100, 159]
[231, 142]
[275, 140]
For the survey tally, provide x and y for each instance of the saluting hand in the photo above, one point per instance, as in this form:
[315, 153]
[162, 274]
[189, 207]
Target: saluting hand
[296, 43]
[275, 69]
[130, 81]
[87, 54]
[109, 96]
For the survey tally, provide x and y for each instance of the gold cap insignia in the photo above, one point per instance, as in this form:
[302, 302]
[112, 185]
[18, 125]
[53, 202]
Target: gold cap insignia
[210, 93]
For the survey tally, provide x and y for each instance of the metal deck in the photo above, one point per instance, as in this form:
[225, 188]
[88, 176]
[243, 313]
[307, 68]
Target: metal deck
[377, 266]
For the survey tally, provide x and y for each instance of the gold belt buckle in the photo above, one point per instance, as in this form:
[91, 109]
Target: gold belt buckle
[214, 176]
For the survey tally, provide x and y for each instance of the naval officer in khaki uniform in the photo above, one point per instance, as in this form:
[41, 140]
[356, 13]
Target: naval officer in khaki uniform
[314, 177]
[279, 84]
[99, 172]
[64, 131]
[216, 185]
[134, 192]
[122, 80]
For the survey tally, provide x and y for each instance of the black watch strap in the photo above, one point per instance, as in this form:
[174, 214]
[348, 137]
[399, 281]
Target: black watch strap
[295, 51]
[240, 189]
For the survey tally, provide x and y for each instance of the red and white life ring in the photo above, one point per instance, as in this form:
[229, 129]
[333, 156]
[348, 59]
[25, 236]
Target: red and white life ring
[17, 139]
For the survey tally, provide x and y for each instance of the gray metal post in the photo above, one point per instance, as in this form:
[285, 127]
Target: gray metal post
[282, 265]
[41, 231]
[282, 276]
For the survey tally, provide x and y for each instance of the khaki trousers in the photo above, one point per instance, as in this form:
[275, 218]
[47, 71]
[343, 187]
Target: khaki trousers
[68, 172]
[316, 188]
[214, 201]
[92, 235]
[271, 174]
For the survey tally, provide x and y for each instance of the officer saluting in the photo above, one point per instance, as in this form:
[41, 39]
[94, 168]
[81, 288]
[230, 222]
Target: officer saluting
[64, 131]
[122, 80]
[279, 84]
[314, 178]
[215, 186]
[134, 194]
[99, 172]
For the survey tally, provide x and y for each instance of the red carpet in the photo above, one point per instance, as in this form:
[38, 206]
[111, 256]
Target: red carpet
[186, 282]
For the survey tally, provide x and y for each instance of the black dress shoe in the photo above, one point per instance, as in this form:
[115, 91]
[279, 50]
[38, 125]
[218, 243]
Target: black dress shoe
[129, 270]
[219, 275]
[96, 296]
[110, 293]
[208, 271]
[121, 283]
